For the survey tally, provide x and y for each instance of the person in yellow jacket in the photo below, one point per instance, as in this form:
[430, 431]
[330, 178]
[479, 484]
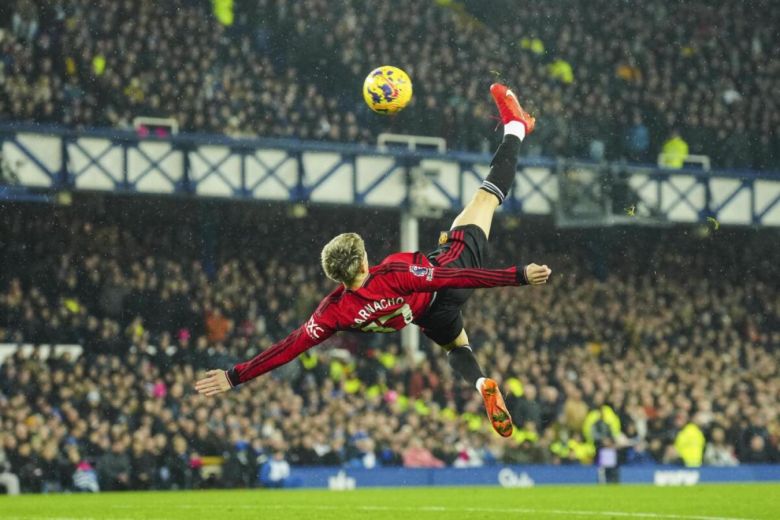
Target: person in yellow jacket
[223, 11]
[561, 70]
[689, 444]
[581, 450]
[674, 152]
[603, 413]
[309, 360]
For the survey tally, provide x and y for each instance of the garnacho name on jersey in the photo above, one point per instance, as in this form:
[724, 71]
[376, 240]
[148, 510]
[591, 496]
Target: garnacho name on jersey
[377, 305]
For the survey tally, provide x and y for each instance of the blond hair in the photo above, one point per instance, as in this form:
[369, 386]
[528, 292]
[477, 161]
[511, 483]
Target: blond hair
[342, 257]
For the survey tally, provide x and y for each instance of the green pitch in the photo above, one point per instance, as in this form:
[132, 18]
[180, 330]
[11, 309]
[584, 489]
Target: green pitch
[704, 502]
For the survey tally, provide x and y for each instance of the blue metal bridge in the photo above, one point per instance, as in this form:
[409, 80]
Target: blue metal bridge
[49, 159]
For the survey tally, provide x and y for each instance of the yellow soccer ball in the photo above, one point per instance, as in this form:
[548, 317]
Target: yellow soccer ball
[387, 90]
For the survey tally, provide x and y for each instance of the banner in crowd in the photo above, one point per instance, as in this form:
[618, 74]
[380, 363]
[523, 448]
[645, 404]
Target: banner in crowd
[524, 476]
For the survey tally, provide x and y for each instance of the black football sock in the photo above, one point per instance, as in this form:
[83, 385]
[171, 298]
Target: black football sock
[502, 168]
[463, 362]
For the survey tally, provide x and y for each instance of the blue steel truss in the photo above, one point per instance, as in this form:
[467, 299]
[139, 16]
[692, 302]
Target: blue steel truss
[304, 171]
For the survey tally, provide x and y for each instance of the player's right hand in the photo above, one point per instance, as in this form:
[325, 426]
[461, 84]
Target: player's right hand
[215, 382]
[537, 274]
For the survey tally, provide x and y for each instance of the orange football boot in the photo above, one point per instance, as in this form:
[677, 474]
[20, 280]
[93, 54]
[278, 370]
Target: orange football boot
[509, 107]
[496, 408]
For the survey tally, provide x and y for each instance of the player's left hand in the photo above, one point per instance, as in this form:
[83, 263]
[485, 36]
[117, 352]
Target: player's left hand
[537, 274]
[215, 382]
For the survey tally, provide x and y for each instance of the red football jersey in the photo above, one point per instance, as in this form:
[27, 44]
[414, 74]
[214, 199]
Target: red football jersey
[395, 293]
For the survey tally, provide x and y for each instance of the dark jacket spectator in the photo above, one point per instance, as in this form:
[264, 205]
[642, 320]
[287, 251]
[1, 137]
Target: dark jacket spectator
[759, 452]
[114, 468]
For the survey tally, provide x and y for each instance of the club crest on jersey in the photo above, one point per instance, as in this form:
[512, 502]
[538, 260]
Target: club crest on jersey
[313, 330]
[443, 237]
[422, 272]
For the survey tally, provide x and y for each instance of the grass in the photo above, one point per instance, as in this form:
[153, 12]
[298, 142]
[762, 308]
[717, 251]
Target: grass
[703, 502]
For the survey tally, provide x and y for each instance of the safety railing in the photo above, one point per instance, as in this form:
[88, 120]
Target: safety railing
[576, 192]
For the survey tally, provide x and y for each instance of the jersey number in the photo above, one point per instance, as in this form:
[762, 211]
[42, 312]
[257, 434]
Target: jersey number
[378, 325]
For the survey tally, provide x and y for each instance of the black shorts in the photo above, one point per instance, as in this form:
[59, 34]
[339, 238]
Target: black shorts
[462, 246]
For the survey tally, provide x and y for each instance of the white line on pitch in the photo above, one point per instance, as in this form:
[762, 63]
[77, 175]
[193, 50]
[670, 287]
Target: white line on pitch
[445, 509]
[39, 517]
[556, 512]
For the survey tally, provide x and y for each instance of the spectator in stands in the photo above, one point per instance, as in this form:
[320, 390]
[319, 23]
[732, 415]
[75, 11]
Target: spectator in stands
[717, 452]
[24, 21]
[759, 452]
[114, 467]
[240, 468]
[8, 480]
[674, 152]
[364, 455]
[418, 456]
[217, 326]
[275, 473]
[526, 407]
[85, 478]
[633, 449]
[637, 140]
[736, 147]
[689, 441]
[49, 468]
[177, 467]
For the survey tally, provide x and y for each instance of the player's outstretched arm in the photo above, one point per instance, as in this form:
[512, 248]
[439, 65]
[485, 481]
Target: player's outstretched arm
[415, 278]
[302, 339]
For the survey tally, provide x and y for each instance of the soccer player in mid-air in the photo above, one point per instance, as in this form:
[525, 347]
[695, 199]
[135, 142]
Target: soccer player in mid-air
[427, 290]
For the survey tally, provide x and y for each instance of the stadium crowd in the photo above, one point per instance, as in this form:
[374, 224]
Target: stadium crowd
[614, 80]
[660, 344]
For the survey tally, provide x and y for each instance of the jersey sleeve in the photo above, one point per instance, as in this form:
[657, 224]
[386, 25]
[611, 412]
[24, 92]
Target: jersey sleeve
[417, 278]
[312, 333]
